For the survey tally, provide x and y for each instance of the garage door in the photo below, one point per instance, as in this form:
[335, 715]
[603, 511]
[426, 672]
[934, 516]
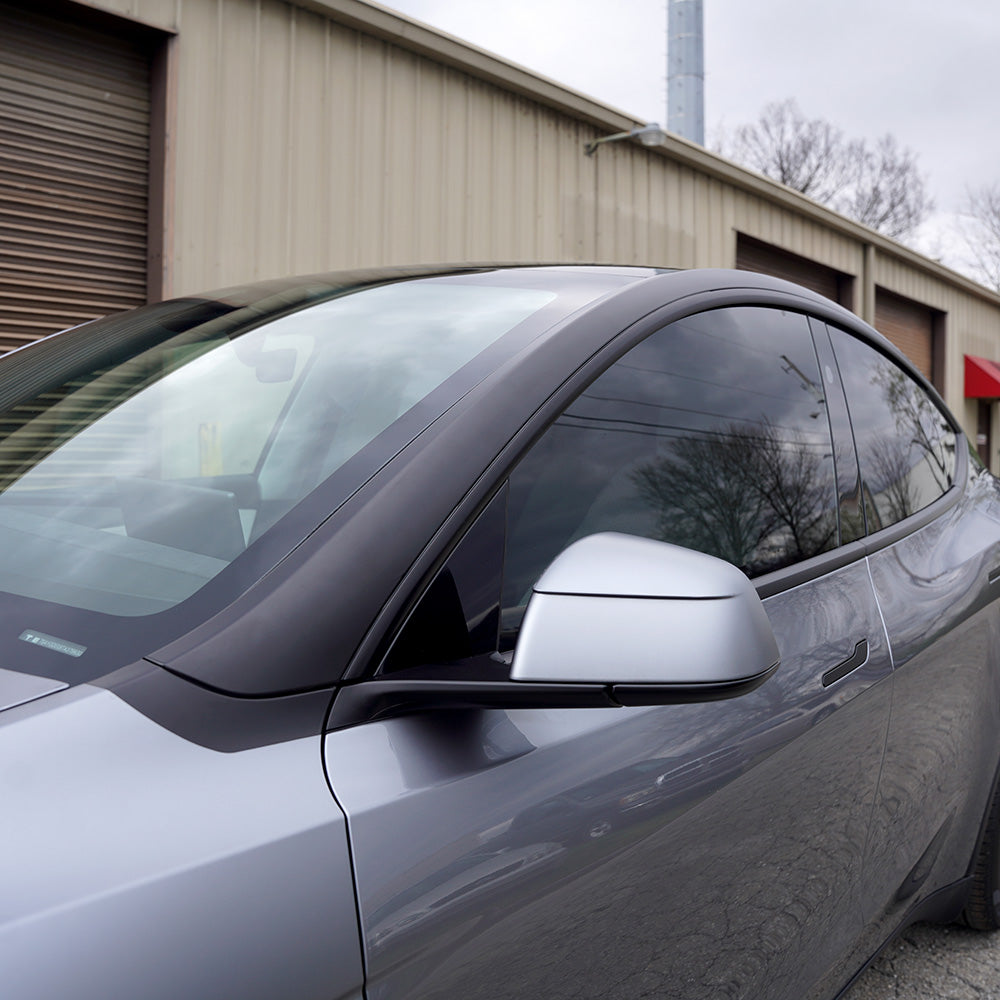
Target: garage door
[752, 255]
[74, 154]
[909, 325]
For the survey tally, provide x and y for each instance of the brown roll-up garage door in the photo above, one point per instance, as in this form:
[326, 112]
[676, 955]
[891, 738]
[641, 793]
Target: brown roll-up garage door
[74, 170]
[752, 255]
[909, 325]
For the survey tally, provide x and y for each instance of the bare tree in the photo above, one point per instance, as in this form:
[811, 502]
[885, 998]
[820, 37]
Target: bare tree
[981, 231]
[886, 191]
[802, 153]
[752, 497]
[879, 186]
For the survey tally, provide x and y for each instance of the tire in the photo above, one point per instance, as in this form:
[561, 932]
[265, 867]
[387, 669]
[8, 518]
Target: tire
[982, 907]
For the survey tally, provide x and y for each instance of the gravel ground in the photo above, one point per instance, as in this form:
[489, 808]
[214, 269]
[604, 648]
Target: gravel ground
[934, 963]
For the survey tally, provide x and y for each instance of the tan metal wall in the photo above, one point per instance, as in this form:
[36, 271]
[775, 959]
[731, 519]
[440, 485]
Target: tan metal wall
[328, 133]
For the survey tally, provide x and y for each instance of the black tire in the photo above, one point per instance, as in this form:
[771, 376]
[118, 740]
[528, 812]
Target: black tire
[982, 907]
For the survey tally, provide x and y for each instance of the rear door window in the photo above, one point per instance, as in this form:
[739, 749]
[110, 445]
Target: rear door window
[906, 445]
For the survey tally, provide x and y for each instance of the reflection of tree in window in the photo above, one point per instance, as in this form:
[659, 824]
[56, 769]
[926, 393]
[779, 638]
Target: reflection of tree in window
[890, 467]
[749, 496]
[917, 417]
[906, 446]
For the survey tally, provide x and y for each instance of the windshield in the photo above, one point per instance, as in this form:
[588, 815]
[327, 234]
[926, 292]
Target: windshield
[127, 488]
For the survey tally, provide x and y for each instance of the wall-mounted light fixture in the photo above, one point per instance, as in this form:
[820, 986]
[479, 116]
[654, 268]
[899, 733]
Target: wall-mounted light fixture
[648, 135]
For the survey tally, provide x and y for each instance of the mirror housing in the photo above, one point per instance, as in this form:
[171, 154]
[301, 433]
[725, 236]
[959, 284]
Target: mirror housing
[627, 611]
[615, 620]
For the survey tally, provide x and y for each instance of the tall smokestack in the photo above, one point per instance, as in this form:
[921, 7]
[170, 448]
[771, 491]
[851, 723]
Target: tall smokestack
[686, 70]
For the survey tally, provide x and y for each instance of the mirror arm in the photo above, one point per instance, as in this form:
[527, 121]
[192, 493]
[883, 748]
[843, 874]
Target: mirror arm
[386, 698]
[371, 701]
[688, 694]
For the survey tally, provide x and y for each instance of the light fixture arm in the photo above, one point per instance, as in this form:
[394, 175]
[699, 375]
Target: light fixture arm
[648, 135]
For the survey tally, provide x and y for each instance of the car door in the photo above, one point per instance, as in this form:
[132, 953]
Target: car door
[684, 850]
[934, 540]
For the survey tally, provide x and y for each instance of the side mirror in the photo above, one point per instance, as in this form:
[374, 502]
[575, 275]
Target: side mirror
[654, 621]
[615, 620]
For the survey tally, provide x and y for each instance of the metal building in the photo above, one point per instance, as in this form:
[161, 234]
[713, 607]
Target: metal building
[160, 147]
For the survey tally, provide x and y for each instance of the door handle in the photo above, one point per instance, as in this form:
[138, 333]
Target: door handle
[857, 659]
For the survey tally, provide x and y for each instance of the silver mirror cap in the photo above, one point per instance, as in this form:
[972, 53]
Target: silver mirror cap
[690, 618]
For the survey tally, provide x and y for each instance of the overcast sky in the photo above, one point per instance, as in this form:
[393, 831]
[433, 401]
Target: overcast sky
[925, 70]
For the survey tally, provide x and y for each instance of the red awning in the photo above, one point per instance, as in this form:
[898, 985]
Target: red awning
[982, 378]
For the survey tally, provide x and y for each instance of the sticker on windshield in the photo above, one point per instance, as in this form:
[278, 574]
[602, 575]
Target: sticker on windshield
[51, 642]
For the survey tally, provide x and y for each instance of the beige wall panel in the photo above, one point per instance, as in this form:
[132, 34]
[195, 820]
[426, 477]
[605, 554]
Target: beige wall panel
[407, 182]
[309, 209]
[577, 235]
[683, 222]
[435, 225]
[722, 233]
[268, 198]
[196, 248]
[369, 140]
[549, 210]
[451, 216]
[670, 248]
[511, 194]
[341, 59]
[674, 253]
[236, 138]
[619, 200]
[709, 214]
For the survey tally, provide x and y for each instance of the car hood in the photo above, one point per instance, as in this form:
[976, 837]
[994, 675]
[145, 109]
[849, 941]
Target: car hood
[17, 688]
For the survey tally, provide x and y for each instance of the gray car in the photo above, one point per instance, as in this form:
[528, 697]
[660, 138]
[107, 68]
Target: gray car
[492, 632]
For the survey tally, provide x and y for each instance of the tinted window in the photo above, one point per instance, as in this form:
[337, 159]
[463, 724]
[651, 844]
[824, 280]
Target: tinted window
[712, 434]
[906, 447]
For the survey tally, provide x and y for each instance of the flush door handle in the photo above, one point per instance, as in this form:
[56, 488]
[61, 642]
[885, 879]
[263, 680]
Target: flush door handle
[857, 659]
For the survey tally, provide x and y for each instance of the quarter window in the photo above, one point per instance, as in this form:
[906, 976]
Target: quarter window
[713, 434]
[906, 446]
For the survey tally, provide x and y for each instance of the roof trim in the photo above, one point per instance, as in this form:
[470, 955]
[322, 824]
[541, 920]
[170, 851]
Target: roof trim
[374, 19]
[982, 378]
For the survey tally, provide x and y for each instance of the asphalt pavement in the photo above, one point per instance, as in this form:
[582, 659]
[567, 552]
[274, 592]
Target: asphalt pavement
[934, 963]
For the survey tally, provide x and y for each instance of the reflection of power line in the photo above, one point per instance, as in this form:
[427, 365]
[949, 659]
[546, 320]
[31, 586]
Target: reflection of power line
[728, 387]
[729, 417]
[805, 382]
[673, 431]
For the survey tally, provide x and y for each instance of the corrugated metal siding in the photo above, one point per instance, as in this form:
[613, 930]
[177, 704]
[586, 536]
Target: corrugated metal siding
[74, 140]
